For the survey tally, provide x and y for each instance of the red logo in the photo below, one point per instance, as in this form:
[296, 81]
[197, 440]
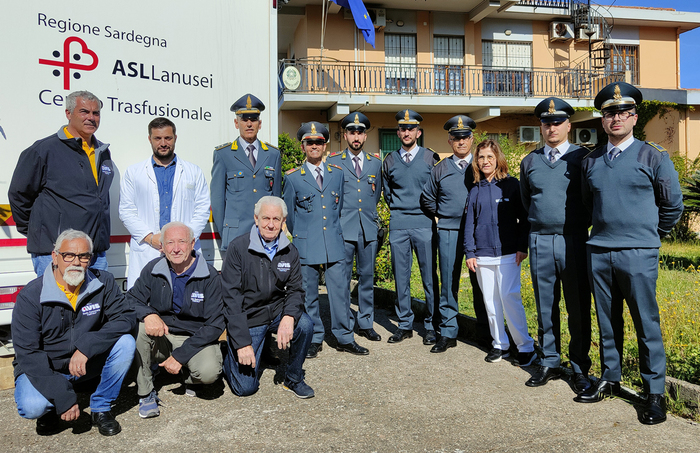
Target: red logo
[69, 65]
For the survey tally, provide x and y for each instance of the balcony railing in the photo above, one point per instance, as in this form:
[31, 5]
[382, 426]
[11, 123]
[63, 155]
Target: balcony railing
[563, 4]
[330, 76]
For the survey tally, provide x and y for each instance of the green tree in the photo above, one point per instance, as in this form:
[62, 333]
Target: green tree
[290, 150]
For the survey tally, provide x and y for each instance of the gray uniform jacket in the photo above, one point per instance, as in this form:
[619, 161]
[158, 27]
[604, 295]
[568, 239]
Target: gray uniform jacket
[236, 186]
[314, 214]
[361, 195]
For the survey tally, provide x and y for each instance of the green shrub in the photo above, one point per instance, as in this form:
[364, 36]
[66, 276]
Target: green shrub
[290, 150]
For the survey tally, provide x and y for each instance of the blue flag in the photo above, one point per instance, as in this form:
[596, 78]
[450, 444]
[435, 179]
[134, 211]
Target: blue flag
[361, 16]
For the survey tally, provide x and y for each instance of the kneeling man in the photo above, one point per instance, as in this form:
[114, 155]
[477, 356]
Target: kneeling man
[263, 292]
[69, 326]
[178, 304]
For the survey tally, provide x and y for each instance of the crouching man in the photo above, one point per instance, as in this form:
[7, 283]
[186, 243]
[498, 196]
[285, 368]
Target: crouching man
[69, 326]
[263, 292]
[178, 304]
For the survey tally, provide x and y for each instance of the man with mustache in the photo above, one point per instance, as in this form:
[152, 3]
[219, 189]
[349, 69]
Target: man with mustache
[159, 190]
[69, 326]
[359, 219]
[243, 172]
[62, 181]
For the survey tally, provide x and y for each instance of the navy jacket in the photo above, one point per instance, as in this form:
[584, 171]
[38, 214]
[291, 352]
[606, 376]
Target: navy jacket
[53, 189]
[496, 221]
[201, 316]
[257, 289]
[46, 331]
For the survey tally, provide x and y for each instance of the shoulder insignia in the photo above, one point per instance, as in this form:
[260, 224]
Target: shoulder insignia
[234, 146]
[263, 145]
[337, 153]
[375, 155]
[334, 165]
[289, 172]
[658, 147]
[225, 145]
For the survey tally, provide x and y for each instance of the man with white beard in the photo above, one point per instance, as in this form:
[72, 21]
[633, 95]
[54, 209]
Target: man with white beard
[69, 326]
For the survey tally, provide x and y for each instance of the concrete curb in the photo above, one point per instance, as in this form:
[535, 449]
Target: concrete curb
[386, 299]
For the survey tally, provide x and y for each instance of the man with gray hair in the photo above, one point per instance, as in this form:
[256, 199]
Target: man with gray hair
[178, 304]
[62, 181]
[263, 292]
[69, 326]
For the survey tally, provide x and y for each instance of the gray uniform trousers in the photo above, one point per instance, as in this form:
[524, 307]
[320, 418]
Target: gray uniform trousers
[366, 252]
[628, 274]
[403, 243]
[558, 261]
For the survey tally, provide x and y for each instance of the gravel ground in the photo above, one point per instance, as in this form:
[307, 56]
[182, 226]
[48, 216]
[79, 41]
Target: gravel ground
[399, 398]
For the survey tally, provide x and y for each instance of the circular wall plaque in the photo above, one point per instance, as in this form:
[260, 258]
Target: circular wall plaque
[291, 78]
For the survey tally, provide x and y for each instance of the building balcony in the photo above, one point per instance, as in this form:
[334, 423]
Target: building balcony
[313, 76]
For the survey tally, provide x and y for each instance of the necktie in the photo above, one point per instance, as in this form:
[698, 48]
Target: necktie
[358, 171]
[319, 178]
[251, 155]
[462, 164]
[407, 158]
[553, 155]
[614, 153]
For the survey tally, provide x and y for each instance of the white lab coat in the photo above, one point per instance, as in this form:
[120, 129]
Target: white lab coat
[139, 208]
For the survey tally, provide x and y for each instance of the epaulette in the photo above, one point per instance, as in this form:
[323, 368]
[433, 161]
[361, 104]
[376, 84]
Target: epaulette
[337, 153]
[375, 155]
[225, 145]
[658, 147]
[334, 165]
[265, 145]
[289, 172]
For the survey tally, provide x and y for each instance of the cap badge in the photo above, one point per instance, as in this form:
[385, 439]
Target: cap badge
[248, 104]
[460, 124]
[406, 117]
[357, 119]
[618, 95]
[551, 107]
[313, 128]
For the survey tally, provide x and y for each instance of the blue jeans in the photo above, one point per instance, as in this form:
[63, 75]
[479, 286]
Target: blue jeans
[111, 367]
[41, 262]
[244, 380]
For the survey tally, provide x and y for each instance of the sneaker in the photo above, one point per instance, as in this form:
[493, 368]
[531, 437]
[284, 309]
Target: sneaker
[148, 405]
[192, 390]
[495, 355]
[526, 358]
[300, 389]
[48, 423]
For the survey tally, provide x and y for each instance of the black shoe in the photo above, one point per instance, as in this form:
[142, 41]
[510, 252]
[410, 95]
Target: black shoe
[48, 423]
[495, 355]
[654, 410]
[370, 334]
[430, 337]
[443, 344]
[581, 383]
[599, 392]
[543, 375]
[313, 350]
[106, 423]
[526, 358]
[352, 348]
[400, 336]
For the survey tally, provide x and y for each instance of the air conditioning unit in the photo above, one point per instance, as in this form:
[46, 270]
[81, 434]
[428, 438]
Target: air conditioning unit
[591, 31]
[529, 134]
[561, 31]
[378, 16]
[586, 136]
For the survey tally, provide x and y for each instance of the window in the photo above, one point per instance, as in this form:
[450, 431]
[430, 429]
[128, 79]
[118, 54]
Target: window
[449, 59]
[400, 59]
[507, 68]
[625, 58]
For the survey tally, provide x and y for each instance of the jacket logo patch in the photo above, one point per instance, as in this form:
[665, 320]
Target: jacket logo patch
[502, 200]
[106, 170]
[284, 266]
[90, 309]
[197, 297]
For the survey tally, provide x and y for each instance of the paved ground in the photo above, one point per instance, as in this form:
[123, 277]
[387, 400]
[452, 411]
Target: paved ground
[399, 398]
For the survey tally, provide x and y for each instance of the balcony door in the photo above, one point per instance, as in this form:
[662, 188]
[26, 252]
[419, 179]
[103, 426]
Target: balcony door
[507, 68]
[400, 60]
[448, 55]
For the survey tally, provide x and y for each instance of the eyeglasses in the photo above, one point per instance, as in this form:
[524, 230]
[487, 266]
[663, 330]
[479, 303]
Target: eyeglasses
[68, 257]
[315, 142]
[624, 116]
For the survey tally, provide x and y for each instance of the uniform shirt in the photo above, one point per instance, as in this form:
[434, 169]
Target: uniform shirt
[164, 178]
[179, 282]
[242, 144]
[412, 152]
[562, 148]
[361, 155]
[467, 159]
[312, 168]
[89, 150]
[622, 146]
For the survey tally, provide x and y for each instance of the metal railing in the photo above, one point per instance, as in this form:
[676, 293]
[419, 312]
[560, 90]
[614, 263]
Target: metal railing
[329, 76]
[564, 4]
